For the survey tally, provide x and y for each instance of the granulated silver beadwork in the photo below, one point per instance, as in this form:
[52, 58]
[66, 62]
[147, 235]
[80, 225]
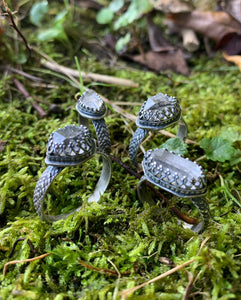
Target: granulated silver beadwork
[158, 112]
[90, 106]
[69, 146]
[177, 175]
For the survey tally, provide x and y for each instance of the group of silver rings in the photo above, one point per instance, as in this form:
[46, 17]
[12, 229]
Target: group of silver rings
[73, 145]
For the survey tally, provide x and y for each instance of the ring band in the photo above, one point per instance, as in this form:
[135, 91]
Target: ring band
[90, 106]
[158, 112]
[177, 175]
[69, 146]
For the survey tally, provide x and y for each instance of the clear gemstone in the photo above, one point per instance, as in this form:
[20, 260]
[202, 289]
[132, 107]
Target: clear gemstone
[158, 101]
[91, 100]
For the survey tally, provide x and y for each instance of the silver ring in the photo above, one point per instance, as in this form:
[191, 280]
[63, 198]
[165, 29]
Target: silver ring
[90, 106]
[177, 175]
[158, 112]
[69, 146]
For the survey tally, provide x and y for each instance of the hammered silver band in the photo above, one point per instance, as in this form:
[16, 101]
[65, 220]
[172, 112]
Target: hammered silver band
[177, 175]
[158, 112]
[48, 177]
[91, 107]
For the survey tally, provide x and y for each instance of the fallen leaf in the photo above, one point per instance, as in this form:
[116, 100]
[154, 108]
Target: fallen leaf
[157, 42]
[218, 26]
[233, 7]
[160, 61]
[236, 59]
[2, 145]
[172, 6]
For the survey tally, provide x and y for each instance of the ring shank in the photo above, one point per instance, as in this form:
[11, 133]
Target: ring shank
[141, 133]
[102, 132]
[50, 174]
[200, 203]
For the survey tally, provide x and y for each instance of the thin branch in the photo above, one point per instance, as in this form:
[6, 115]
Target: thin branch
[189, 286]
[27, 96]
[102, 270]
[14, 262]
[15, 26]
[15, 244]
[95, 77]
[127, 292]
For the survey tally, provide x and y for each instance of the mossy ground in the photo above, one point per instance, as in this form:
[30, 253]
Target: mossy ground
[118, 230]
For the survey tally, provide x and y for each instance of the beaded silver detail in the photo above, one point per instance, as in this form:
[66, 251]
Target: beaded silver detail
[159, 111]
[90, 105]
[70, 145]
[173, 173]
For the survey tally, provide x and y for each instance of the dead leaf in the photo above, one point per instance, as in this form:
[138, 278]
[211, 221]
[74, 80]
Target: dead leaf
[157, 42]
[2, 145]
[218, 26]
[172, 6]
[233, 7]
[236, 59]
[160, 61]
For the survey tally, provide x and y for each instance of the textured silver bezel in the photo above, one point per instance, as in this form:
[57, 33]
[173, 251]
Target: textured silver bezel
[91, 106]
[70, 145]
[173, 173]
[158, 112]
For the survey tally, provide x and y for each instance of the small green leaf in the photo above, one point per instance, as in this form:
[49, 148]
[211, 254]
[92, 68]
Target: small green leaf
[175, 145]
[57, 32]
[104, 16]
[122, 42]
[231, 135]
[116, 5]
[217, 149]
[38, 11]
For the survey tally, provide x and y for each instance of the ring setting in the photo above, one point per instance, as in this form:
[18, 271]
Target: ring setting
[69, 146]
[158, 112]
[177, 175]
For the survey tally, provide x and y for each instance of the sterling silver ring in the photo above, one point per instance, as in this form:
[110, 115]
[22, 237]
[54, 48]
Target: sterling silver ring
[69, 146]
[177, 175]
[158, 112]
[90, 106]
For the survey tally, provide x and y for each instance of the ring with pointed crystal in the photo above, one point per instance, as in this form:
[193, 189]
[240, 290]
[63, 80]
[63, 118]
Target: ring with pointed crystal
[177, 175]
[69, 146]
[158, 112]
[90, 106]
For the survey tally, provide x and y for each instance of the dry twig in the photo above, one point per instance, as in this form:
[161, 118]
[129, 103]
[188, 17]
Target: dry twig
[26, 95]
[13, 262]
[15, 26]
[96, 77]
[125, 293]
[103, 271]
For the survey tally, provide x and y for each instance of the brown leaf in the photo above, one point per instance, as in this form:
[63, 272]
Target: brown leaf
[218, 26]
[157, 42]
[160, 61]
[172, 6]
[233, 7]
[236, 59]
[2, 145]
